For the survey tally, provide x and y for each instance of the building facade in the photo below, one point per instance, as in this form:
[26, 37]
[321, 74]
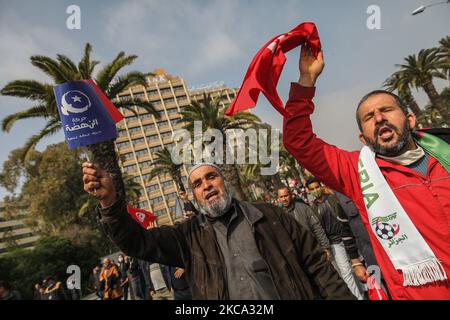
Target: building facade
[14, 233]
[142, 135]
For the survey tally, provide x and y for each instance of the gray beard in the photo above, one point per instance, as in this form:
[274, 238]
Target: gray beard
[217, 208]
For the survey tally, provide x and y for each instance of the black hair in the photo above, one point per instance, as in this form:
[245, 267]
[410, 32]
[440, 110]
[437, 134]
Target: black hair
[398, 100]
[312, 180]
[283, 187]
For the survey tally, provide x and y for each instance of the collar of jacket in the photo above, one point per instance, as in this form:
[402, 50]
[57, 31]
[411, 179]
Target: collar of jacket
[251, 214]
[382, 163]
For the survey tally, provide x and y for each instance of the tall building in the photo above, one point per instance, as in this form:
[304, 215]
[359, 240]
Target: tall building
[14, 233]
[140, 137]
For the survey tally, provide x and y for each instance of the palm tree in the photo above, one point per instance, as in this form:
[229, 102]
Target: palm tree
[419, 72]
[444, 54]
[399, 82]
[288, 163]
[163, 165]
[63, 69]
[212, 116]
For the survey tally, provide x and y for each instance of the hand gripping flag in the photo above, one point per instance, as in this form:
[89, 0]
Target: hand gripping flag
[265, 69]
[87, 115]
[143, 217]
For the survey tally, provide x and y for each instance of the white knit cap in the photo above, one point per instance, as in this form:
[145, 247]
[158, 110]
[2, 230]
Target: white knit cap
[202, 164]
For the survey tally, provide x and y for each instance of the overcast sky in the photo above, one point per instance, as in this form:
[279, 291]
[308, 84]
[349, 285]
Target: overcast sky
[205, 41]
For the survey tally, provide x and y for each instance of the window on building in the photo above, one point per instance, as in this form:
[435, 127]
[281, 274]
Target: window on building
[130, 168]
[152, 188]
[128, 155]
[172, 110]
[138, 95]
[123, 144]
[145, 164]
[148, 126]
[152, 137]
[138, 141]
[125, 97]
[134, 130]
[141, 152]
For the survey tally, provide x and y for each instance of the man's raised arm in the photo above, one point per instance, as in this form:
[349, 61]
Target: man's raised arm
[328, 163]
[162, 245]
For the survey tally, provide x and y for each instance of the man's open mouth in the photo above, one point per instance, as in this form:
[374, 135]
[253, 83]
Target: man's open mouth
[385, 133]
[211, 194]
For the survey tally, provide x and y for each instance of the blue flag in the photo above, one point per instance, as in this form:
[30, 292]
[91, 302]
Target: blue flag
[85, 119]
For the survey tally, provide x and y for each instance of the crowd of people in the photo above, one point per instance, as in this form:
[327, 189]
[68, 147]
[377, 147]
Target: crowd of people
[385, 208]
[48, 289]
[136, 279]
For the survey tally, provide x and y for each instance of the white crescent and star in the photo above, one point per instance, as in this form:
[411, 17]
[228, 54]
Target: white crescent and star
[67, 107]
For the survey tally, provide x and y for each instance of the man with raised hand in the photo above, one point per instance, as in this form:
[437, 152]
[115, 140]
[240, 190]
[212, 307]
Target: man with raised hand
[231, 250]
[399, 181]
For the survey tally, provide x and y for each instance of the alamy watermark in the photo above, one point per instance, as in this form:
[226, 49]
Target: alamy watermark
[238, 146]
[74, 19]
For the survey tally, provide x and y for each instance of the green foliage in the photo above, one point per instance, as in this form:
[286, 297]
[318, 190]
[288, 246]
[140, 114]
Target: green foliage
[50, 257]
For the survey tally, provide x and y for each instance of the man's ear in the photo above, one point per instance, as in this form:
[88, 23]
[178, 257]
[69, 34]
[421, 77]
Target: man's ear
[412, 120]
[362, 139]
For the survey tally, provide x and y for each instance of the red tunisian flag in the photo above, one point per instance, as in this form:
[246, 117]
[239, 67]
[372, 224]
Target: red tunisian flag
[143, 217]
[115, 114]
[265, 69]
[374, 290]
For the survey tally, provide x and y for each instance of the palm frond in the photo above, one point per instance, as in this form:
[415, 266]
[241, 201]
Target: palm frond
[107, 74]
[51, 67]
[122, 82]
[29, 89]
[39, 111]
[52, 127]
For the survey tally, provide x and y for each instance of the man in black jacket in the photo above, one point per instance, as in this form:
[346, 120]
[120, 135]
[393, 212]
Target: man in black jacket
[232, 250]
[331, 213]
[304, 215]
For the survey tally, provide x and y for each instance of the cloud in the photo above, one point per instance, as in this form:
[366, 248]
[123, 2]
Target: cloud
[205, 33]
[20, 41]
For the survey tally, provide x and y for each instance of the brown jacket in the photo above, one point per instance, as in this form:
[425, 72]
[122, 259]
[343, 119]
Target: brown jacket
[298, 266]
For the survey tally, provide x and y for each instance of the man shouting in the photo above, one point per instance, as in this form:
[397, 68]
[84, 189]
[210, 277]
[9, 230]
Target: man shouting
[399, 181]
[231, 250]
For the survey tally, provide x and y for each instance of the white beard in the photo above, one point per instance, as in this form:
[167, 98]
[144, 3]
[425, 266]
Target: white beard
[217, 208]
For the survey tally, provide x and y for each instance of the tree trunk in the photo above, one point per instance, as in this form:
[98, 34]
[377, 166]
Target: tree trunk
[413, 106]
[231, 175]
[436, 100]
[105, 156]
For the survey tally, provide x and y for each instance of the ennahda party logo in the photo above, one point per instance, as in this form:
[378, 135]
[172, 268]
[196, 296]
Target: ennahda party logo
[84, 116]
[74, 101]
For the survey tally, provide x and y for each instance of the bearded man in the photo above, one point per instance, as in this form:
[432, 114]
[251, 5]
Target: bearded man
[399, 182]
[231, 250]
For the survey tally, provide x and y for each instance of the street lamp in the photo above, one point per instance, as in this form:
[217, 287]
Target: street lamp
[422, 8]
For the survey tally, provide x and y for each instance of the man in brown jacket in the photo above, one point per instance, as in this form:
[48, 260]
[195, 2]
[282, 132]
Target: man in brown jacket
[232, 250]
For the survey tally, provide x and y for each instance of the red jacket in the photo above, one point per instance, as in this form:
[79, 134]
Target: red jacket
[426, 199]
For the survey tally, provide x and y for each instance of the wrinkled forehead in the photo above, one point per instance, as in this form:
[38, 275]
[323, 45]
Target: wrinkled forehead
[202, 172]
[377, 101]
[283, 192]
